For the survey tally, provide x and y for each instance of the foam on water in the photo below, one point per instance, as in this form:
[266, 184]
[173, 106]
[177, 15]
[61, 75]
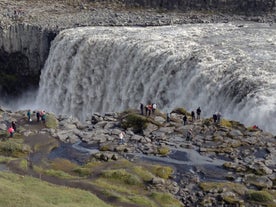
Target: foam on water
[220, 67]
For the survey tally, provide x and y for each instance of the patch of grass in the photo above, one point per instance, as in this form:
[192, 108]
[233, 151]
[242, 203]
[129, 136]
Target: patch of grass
[122, 175]
[259, 196]
[181, 111]
[163, 151]
[135, 121]
[82, 171]
[105, 148]
[58, 174]
[14, 148]
[26, 191]
[225, 123]
[143, 173]
[164, 172]
[232, 200]
[38, 169]
[165, 199]
[4, 159]
[51, 121]
[63, 165]
[23, 164]
[141, 200]
[234, 187]
[207, 122]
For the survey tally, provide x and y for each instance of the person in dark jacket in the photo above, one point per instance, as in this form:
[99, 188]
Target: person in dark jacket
[142, 108]
[184, 119]
[193, 115]
[13, 125]
[198, 112]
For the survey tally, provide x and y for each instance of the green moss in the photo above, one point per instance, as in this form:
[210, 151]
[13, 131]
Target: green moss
[4, 159]
[165, 199]
[259, 196]
[181, 111]
[58, 174]
[163, 171]
[137, 122]
[143, 173]
[207, 122]
[51, 121]
[82, 171]
[63, 165]
[105, 148]
[225, 123]
[122, 175]
[234, 187]
[13, 148]
[232, 200]
[141, 200]
[163, 151]
[23, 164]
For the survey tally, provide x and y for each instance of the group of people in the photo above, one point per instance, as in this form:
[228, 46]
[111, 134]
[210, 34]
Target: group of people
[40, 115]
[217, 117]
[149, 109]
[198, 112]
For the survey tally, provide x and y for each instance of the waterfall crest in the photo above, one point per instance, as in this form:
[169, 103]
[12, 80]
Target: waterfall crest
[219, 67]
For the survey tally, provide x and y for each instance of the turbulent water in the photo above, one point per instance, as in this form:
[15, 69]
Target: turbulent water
[219, 67]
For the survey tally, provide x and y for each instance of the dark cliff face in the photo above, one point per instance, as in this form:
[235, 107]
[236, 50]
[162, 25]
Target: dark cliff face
[23, 51]
[234, 6]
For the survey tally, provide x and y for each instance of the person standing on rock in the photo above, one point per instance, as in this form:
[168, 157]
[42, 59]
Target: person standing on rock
[37, 116]
[146, 109]
[29, 115]
[142, 108]
[218, 117]
[198, 112]
[11, 131]
[190, 135]
[168, 117]
[149, 108]
[121, 137]
[43, 116]
[184, 119]
[215, 117]
[153, 108]
[13, 125]
[193, 116]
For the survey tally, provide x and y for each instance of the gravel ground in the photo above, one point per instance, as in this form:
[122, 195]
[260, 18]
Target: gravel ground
[70, 13]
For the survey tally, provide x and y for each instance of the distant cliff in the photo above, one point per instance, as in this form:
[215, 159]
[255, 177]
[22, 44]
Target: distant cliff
[23, 51]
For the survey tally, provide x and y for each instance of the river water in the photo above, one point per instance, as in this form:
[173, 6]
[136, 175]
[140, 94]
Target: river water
[229, 68]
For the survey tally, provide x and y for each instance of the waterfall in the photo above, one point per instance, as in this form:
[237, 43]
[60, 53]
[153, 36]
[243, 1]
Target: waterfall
[219, 67]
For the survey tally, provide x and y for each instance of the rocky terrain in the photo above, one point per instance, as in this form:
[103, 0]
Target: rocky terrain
[225, 164]
[63, 14]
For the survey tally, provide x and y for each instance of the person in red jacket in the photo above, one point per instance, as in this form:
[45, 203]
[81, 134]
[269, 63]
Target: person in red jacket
[11, 131]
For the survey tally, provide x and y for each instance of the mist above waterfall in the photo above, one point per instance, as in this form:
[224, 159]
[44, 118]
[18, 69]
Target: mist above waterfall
[219, 67]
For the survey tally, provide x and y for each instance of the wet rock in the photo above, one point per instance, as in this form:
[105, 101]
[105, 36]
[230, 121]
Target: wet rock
[159, 119]
[258, 181]
[157, 181]
[150, 128]
[260, 168]
[3, 127]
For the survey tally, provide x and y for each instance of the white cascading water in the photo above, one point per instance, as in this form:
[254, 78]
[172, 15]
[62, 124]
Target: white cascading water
[219, 67]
